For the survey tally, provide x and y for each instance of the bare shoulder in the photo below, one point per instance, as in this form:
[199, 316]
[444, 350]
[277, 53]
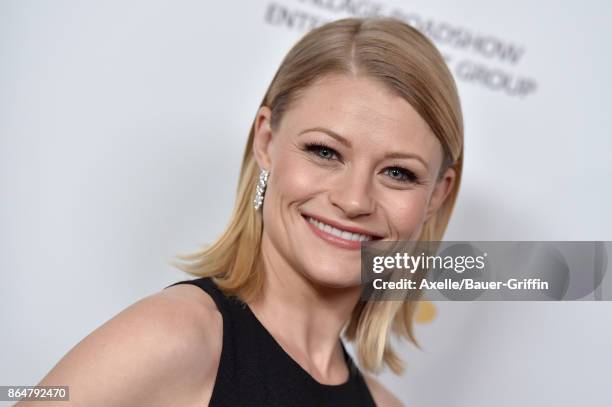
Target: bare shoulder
[382, 396]
[162, 350]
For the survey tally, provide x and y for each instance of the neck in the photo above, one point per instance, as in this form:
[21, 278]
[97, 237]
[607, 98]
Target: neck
[304, 317]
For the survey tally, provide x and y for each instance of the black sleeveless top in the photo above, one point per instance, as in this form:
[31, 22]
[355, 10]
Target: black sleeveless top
[254, 370]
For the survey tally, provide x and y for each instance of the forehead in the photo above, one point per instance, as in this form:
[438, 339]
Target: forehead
[362, 110]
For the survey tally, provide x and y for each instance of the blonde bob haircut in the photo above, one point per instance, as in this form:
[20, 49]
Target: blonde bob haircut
[406, 62]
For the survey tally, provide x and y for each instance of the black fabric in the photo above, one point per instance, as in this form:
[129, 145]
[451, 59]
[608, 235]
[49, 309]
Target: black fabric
[254, 370]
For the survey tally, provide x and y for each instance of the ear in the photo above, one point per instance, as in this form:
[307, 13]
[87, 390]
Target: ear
[262, 137]
[441, 190]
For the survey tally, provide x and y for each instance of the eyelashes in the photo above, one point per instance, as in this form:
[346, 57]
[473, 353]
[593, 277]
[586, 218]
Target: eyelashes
[395, 172]
[317, 149]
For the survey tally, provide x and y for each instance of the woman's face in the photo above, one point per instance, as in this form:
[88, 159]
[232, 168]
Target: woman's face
[349, 161]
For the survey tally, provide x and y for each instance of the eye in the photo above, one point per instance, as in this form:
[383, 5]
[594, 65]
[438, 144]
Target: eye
[401, 174]
[321, 151]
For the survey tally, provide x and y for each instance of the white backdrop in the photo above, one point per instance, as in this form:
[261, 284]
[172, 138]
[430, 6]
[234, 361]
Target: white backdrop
[122, 126]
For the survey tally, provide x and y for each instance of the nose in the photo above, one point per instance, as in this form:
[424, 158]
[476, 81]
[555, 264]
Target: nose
[352, 193]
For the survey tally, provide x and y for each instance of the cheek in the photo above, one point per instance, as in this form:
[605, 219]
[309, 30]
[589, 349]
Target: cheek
[295, 179]
[406, 212]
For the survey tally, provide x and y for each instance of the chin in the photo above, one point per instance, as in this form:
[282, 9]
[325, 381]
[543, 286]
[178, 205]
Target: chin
[334, 278]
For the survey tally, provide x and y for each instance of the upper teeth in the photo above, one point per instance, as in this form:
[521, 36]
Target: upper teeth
[337, 232]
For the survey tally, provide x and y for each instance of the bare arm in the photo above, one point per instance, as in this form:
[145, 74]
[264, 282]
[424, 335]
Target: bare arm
[163, 350]
[382, 396]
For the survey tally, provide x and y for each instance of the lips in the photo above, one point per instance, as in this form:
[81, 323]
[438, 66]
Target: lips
[341, 227]
[347, 237]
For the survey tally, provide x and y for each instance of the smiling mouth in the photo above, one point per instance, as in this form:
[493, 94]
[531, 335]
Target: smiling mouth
[340, 233]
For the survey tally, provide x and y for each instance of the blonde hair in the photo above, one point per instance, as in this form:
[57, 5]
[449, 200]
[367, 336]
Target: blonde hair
[406, 62]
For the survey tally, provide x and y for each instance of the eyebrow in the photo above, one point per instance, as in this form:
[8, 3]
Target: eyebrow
[347, 143]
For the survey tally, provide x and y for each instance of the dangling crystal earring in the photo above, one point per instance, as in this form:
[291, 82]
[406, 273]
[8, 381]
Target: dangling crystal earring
[261, 188]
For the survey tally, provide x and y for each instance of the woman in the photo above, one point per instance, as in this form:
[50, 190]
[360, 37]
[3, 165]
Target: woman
[359, 137]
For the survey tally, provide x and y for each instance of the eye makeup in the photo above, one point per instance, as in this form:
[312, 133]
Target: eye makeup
[396, 172]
